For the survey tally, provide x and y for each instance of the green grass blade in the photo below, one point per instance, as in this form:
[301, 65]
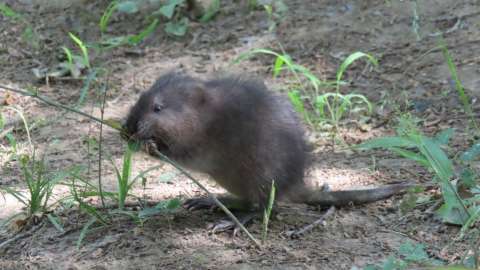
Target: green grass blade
[168, 9]
[8, 12]
[352, 58]
[458, 84]
[268, 211]
[124, 179]
[252, 53]
[362, 99]
[443, 168]
[296, 100]
[56, 222]
[106, 16]
[277, 67]
[83, 48]
[135, 39]
[411, 155]
[86, 86]
[69, 55]
[85, 231]
[142, 174]
[17, 195]
[387, 143]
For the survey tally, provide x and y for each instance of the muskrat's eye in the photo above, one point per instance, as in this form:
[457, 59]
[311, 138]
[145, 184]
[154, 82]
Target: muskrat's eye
[157, 108]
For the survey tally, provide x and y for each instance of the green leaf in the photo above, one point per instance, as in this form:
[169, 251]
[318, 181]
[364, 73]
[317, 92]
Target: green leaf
[135, 39]
[352, 58]
[212, 10]
[85, 230]
[11, 141]
[444, 136]
[131, 214]
[411, 155]
[166, 206]
[56, 222]
[82, 47]
[277, 67]
[438, 159]
[169, 9]
[468, 178]
[361, 98]
[472, 153]
[2, 121]
[8, 12]
[296, 101]
[473, 218]
[69, 56]
[128, 7]
[458, 84]
[393, 264]
[106, 16]
[177, 28]
[449, 213]
[387, 143]
[86, 86]
[413, 252]
[114, 41]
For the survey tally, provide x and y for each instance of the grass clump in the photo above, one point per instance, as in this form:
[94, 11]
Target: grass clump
[320, 102]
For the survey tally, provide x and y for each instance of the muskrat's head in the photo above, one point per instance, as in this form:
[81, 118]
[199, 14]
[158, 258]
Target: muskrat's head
[170, 115]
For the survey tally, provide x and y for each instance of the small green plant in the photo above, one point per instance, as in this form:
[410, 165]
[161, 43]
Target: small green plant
[39, 183]
[74, 63]
[83, 48]
[337, 104]
[107, 14]
[8, 12]
[276, 12]
[28, 35]
[132, 40]
[177, 24]
[410, 143]
[9, 136]
[330, 107]
[408, 255]
[124, 180]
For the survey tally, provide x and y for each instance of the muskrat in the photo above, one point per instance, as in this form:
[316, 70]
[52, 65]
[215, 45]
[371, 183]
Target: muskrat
[238, 132]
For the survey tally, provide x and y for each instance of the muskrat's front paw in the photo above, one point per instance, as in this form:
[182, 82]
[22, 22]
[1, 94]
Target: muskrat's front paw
[224, 225]
[200, 203]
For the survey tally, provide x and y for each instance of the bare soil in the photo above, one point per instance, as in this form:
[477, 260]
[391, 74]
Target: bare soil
[412, 77]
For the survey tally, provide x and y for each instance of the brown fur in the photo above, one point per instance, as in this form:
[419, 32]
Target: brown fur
[239, 133]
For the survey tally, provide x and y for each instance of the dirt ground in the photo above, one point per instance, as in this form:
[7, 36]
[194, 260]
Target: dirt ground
[412, 77]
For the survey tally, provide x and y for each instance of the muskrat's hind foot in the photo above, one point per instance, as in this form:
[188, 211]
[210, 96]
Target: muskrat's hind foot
[200, 203]
[224, 225]
[208, 203]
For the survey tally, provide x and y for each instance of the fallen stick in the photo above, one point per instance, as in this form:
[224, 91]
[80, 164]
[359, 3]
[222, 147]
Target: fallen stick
[309, 227]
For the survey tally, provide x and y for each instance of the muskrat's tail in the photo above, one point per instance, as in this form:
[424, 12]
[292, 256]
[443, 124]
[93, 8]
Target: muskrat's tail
[347, 197]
